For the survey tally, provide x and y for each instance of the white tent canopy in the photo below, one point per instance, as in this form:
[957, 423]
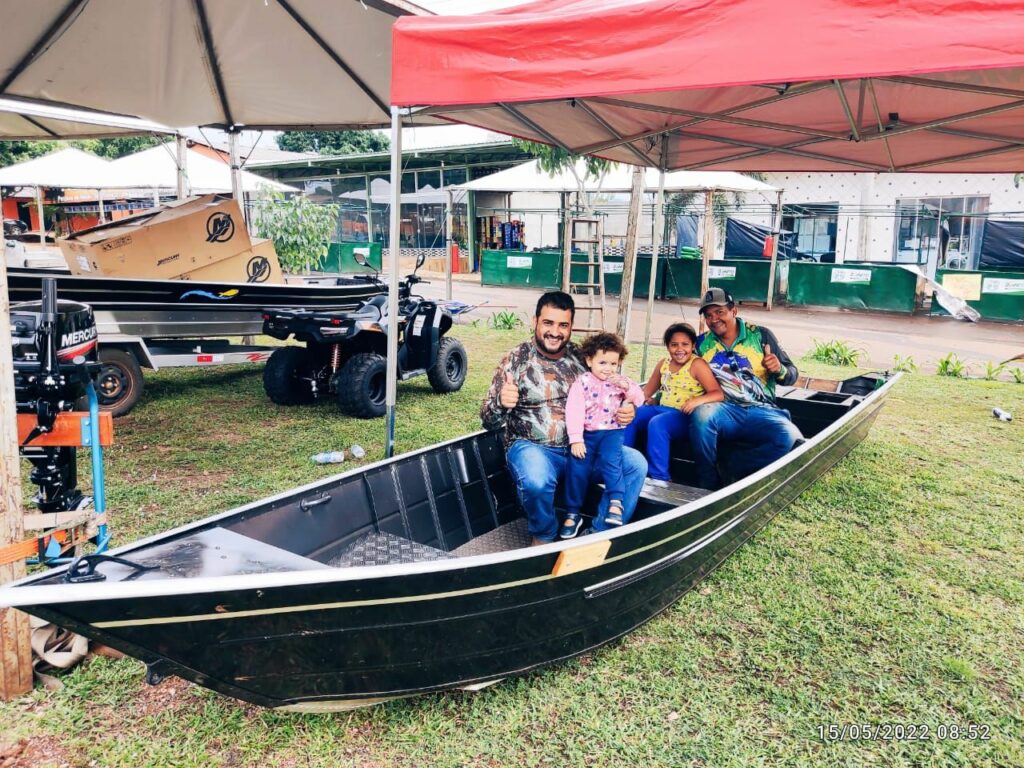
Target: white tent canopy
[68, 168]
[28, 120]
[529, 177]
[156, 168]
[231, 63]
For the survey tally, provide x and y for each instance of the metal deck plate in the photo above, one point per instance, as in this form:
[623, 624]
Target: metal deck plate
[385, 549]
[506, 537]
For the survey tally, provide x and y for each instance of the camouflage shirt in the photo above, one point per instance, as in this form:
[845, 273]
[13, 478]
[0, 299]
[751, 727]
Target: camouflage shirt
[543, 388]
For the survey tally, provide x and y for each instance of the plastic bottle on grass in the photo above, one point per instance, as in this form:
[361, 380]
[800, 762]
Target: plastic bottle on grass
[329, 457]
[357, 451]
[1002, 415]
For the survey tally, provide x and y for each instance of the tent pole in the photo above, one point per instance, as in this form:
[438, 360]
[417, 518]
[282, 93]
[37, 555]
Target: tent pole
[39, 213]
[182, 160]
[394, 253]
[775, 250]
[15, 653]
[156, 197]
[236, 172]
[659, 226]
[99, 201]
[449, 241]
[707, 247]
[629, 261]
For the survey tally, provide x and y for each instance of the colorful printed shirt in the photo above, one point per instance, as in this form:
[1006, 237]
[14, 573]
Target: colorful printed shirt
[592, 404]
[543, 388]
[676, 388]
[739, 367]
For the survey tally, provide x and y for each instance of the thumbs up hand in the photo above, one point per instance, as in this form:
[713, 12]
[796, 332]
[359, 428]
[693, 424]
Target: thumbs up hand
[509, 394]
[771, 363]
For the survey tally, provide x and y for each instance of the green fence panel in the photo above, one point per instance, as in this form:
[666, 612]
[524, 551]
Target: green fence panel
[745, 279]
[340, 257]
[641, 281]
[884, 287]
[516, 268]
[997, 295]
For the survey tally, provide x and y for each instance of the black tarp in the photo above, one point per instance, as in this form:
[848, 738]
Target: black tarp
[1002, 244]
[744, 240]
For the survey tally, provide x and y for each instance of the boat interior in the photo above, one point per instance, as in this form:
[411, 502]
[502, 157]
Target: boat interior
[451, 501]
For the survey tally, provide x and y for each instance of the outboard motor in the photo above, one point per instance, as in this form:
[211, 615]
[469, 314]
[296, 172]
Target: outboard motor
[54, 350]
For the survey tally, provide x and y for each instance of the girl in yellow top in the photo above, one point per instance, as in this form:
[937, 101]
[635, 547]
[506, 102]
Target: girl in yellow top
[684, 381]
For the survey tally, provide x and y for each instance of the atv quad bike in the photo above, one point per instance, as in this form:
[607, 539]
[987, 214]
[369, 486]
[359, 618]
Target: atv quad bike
[345, 352]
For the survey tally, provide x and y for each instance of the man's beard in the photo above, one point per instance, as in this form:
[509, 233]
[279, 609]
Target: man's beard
[545, 345]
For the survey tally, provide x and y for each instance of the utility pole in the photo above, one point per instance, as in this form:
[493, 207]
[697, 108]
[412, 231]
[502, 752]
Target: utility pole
[15, 652]
[629, 261]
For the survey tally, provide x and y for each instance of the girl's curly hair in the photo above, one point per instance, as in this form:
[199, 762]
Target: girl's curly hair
[603, 342]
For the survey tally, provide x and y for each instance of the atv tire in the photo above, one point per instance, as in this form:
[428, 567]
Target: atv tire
[119, 382]
[450, 368]
[362, 386]
[283, 377]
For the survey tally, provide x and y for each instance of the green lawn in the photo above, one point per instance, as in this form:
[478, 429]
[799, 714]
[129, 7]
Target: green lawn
[890, 592]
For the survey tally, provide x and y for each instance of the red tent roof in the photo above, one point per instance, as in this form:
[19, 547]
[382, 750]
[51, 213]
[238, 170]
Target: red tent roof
[930, 85]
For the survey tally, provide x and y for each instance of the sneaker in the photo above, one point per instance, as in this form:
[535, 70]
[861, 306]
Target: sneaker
[614, 516]
[571, 526]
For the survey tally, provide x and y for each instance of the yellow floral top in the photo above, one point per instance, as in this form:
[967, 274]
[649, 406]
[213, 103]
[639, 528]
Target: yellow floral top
[676, 388]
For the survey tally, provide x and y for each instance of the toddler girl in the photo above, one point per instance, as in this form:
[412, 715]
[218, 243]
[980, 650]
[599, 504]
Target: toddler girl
[595, 437]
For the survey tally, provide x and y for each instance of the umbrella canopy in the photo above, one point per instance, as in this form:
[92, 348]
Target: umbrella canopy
[274, 64]
[66, 168]
[156, 167]
[833, 85]
[529, 177]
[27, 120]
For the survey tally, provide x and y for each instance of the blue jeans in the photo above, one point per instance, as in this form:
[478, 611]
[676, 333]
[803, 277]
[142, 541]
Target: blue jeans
[537, 469]
[603, 460]
[764, 434]
[654, 429]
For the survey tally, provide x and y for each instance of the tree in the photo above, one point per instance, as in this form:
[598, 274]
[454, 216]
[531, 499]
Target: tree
[14, 152]
[301, 229]
[333, 142]
[554, 159]
[120, 145]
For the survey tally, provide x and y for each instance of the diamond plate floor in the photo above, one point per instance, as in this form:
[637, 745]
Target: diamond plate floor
[386, 549]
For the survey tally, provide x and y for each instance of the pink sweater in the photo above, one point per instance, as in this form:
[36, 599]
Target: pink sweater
[592, 404]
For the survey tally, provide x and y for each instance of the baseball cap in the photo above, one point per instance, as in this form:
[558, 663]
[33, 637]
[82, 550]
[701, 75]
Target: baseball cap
[714, 296]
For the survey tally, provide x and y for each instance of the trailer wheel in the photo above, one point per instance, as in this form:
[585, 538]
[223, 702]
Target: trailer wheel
[285, 377]
[362, 384]
[450, 368]
[119, 383]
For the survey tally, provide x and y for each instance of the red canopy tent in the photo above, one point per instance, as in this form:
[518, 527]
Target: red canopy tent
[830, 85]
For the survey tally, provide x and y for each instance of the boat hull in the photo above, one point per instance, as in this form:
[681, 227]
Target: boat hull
[337, 638]
[187, 309]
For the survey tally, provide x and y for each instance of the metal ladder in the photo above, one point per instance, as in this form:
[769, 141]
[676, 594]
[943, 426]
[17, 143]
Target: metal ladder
[588, 292]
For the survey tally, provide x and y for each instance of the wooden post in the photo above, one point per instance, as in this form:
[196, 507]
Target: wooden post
[776, 234]
[15, 652]
[707, 247]
[629, 261]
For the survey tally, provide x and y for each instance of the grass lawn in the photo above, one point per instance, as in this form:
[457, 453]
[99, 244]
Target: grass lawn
[890, 592]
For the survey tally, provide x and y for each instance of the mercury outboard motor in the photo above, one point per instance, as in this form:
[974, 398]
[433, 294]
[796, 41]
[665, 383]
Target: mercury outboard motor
[54, 350]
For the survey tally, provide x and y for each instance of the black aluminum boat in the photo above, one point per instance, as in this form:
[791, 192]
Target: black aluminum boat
[170, 309]
[415, 574]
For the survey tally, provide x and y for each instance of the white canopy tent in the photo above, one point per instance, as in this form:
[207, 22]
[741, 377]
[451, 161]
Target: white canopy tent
[25, 120]
[156, 168]
[529, 177]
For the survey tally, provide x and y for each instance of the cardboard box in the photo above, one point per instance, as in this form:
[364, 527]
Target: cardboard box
[161, 244]
[258, 264]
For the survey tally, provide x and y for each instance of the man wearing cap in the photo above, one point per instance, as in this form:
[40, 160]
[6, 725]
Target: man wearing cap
[748, 362]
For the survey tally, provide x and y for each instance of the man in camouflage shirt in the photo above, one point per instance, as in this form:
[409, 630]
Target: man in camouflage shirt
[527, 397]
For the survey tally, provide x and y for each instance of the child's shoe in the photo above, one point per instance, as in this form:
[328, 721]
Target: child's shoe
[614, 516]
[571, 526]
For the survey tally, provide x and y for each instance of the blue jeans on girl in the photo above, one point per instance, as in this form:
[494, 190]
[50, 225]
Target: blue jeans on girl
[652, 431]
